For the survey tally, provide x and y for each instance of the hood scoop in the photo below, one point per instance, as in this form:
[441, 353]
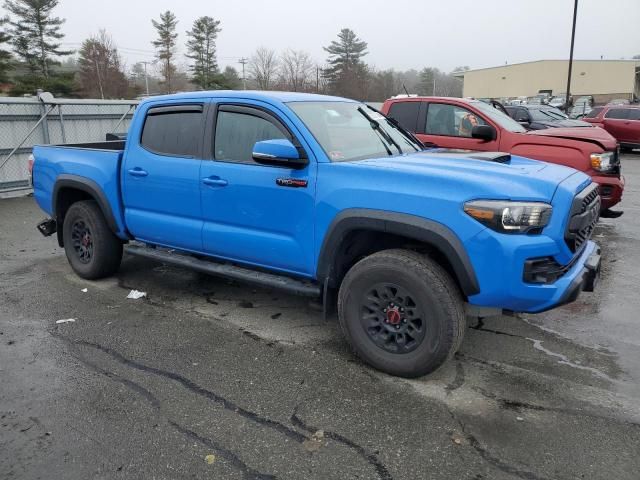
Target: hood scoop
[497, 157]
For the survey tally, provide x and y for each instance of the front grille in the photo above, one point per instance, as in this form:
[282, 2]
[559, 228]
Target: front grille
[585, 211]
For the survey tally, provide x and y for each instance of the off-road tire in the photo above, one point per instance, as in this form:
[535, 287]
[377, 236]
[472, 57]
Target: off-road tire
[106, 249]
[436, 294]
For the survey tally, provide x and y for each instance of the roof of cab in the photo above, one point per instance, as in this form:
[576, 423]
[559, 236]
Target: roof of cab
[266, 96]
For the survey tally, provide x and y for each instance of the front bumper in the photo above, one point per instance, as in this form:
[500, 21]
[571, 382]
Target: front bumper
[611, 188]
[585, 281]
[502, 284]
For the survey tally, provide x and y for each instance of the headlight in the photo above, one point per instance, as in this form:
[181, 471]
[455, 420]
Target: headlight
[603, 162]
[510, 217]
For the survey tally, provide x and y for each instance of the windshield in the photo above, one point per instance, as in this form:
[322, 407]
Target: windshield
[546, 114]
[505, 121]
[350, 131]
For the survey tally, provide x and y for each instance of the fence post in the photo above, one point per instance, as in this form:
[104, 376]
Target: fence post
[45, 124]
[64, 134]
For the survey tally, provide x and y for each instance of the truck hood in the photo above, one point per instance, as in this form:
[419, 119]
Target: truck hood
[566, 123]
[516, 178]
[594, 135]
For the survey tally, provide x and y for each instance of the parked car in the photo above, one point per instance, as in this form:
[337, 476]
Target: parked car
[326, 197]
[538, 117]
[559, 101]
[621, 121]
[581, 107]
[467, 124]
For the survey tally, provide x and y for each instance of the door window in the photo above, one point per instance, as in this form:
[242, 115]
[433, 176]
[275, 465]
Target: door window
[634, 114]
[173, 130]
[237, 133]
[617, 113]
[521, 115]
[451, 120]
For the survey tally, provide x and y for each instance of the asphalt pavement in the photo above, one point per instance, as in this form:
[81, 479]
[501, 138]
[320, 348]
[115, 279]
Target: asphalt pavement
[206, 378]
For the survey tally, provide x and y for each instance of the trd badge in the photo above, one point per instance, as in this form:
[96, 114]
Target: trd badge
[291, 182]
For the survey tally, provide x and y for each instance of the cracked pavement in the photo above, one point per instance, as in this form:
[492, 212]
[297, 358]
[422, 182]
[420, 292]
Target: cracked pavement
[148, 388]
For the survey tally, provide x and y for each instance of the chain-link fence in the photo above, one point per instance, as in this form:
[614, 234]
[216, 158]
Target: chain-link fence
[25, 122]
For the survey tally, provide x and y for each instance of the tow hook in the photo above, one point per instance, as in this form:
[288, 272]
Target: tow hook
[47, 227]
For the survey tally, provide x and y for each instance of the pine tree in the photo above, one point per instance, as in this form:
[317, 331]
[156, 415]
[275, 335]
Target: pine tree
[36, 33]
[347, 73]
[5, 55]
[201, 48]
[166, 45]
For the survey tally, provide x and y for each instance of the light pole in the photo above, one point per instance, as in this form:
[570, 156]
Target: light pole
[573, 37]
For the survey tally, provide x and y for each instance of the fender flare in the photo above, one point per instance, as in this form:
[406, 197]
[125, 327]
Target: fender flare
[433, 233]
[88, 186]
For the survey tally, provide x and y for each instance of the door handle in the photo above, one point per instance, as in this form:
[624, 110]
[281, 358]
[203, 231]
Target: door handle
[138, 172]
[215, 181]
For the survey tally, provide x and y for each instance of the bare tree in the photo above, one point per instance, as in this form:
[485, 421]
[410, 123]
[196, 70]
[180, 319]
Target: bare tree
[296, 70]
[101, 73]
[263, 67]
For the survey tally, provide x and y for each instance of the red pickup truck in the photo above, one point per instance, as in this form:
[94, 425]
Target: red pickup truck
[474, 125]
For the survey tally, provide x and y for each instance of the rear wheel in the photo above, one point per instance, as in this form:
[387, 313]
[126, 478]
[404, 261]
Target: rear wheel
[401, 312]
[92, 249]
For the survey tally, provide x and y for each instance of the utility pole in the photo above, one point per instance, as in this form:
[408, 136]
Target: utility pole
[146, 78]
[243, 61]
[317, 79]
[94, 54]
[573, 37]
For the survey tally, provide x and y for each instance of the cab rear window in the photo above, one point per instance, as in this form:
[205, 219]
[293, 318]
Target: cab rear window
[406, 113]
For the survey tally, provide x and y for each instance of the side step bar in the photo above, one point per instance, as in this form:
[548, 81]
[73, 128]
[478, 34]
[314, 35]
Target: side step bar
[227, 270]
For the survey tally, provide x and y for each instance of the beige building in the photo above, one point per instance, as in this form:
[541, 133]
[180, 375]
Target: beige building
[604, 79]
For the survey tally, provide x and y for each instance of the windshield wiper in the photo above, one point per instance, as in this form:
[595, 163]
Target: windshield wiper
[375, 125]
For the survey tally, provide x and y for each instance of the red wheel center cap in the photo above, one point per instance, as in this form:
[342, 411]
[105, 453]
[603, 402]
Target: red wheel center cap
[85, 240]
[393, 316]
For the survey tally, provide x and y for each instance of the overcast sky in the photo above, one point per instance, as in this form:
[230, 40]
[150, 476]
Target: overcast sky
[401, 34]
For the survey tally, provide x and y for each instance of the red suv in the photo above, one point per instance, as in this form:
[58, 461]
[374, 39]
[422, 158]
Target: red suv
[621, 121]
[474, 125]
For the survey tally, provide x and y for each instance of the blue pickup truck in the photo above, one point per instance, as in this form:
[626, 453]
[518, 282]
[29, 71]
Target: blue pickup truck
[326, 197]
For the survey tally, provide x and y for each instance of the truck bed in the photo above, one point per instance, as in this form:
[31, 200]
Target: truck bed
[95, 166]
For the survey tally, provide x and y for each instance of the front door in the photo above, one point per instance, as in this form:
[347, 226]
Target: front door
[450, 126]
[253, 213]
[161, 176]
[616, 122]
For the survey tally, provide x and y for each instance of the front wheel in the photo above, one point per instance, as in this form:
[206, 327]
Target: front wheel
[401, 312]
[92, 248]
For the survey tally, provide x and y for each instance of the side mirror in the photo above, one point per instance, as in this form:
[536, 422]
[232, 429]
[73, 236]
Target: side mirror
[278, 153]
[484, 132]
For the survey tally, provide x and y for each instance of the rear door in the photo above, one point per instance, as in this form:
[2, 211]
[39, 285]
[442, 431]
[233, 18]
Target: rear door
[257, 214]
[616, 123]
[161, 176]
[632, 126]
[449, 126]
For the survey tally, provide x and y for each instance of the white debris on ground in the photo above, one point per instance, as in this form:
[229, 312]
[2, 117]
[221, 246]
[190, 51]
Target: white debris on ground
[66, 320]
[84, 290]
[136, 294]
